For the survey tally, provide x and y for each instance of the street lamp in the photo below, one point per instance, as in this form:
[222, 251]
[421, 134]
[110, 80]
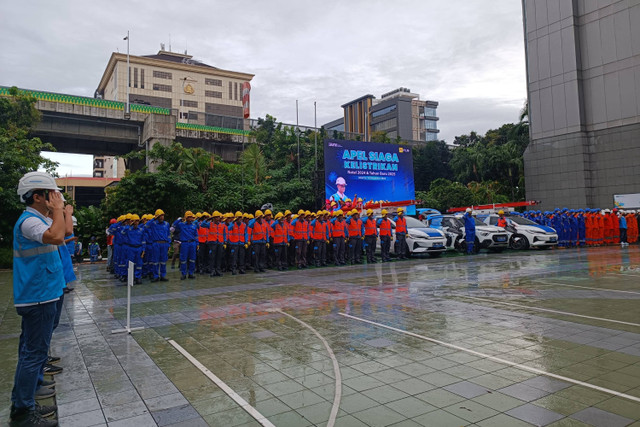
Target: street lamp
[127, 111]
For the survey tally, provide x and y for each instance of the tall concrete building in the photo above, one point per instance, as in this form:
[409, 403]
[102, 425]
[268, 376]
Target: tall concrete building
[399, 113]
[199, 93]
[583, 71]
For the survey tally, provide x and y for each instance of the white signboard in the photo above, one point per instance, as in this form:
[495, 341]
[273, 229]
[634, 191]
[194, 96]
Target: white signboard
[627, 201]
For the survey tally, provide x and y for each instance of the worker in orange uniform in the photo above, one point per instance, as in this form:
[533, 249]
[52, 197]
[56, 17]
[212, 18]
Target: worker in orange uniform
[339, 235]
[280, 235]
[259, 241]
[386, 234]
[370, 236]
[202, 260]
[237, 232]
[291, 247]
[318, 230]
[502, 221]
[300, 236]
[401, 233]
[248, 254]
[216, 243]
[355, 230]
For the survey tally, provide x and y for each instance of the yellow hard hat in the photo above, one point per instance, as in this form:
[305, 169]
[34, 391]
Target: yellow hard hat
[287, 212]
[369, 212]
[159, 212]
[120, 218]
[359, 199]
[128, 216]
[268, 212]
[250, 216]
[400, 210]
[206, 215]
[333, 203]
[188, 214]
[259, 213]
[135, 217]
[307, 212]
[339, 212]
[320, 213]
[347, 199]
[500, 212]
[279, 215]
[294, 216]
[199, 215]
[301, 212]
[238, 214]
[215, 214]
[354, 212]
[384, 212]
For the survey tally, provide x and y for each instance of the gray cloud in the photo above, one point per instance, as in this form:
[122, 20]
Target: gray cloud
[468, 55]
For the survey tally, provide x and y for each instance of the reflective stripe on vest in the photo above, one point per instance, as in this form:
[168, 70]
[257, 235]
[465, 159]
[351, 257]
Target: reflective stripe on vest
[319, 231]
[236, 234]
[370, 227]
[202, 234]
[259, 232]
[401, 225]
[279, 234]
[339, 229]
[23, 253]
[300, 230]
[355, 228]
[385, 227]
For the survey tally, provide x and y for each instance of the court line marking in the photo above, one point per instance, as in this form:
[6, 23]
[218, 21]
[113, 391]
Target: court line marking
[232, 394]
[586, 287]
[566, 313]
[336, 368]
[497, 359]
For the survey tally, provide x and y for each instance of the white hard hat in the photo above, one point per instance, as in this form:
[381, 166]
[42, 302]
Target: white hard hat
[75, 221]
[468, 210]
[341, 181]
[474, 213]
[35, 181]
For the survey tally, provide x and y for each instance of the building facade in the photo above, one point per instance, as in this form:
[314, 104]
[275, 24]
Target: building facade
[399, 113]
[86, 191]
[583, 75]
[197, 92]
[108, 167]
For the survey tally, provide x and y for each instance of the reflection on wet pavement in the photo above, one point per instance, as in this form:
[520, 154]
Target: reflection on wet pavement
[573, 313]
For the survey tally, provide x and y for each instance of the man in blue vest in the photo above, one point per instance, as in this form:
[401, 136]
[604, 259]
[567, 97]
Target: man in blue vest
[469, 230]
[38, 281]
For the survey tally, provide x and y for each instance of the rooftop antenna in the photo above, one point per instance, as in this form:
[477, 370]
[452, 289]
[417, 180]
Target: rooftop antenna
[161, 46]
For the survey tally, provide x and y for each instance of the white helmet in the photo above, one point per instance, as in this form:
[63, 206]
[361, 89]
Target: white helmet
[35, 181]
[468, 210]
[75, 221]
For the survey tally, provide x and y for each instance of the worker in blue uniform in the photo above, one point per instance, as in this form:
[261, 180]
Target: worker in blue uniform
[158, 241]
[469, 230]
[189, 239]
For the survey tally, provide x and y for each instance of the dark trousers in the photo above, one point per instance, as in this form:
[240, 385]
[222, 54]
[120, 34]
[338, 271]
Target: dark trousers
[215, 257]
[203, 257]
[280, 252]
[623, 235]
[260, 250]
[291, 256]
[371, 247]
[338, 250]
[355, 249]
[385, 247]
[320, 252]
[237, 257]
[33, 349]
[301, 253]
[401, 241]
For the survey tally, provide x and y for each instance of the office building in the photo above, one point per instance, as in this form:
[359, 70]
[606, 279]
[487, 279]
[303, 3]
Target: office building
[86, 191]
[399, 113]
[583, 71]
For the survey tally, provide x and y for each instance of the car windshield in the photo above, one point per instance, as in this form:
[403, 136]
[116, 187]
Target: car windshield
[478, 222]
[414, 223]
[522, 221]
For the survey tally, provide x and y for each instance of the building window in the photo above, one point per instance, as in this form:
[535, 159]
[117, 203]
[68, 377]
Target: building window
[213, 94]
[230, 90]
[431, 136]
[70, 189]
[384, 111]
[186, 103]
[135, 77]
[162, 75]
[430, 124]
[430, 111]
[141, 78]
[189, 116]
[162, 88]
[384, 125]
[236, 90]
[213, 82]
[98, 163]
[98, 174]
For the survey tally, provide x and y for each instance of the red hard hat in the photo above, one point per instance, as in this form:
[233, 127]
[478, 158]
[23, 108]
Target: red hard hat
[113, 221]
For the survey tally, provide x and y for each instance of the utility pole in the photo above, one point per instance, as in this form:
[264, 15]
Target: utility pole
[298, 135]
[127, 111]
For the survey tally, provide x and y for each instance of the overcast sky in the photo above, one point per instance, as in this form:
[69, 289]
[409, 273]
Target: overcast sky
[466, 54]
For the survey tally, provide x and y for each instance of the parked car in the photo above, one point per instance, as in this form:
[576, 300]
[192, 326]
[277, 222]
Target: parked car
[524, 233]
[420, 239]
[490, 237]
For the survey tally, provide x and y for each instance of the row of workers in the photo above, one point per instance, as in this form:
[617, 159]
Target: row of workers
[590, 227]
[212, 243]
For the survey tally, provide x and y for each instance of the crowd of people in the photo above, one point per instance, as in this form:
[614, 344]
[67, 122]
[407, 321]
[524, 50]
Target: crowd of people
[235, 242]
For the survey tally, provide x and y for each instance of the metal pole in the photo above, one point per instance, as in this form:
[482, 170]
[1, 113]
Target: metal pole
[315, 125]
[130, 277]
[298, 134]
[128, 110]
[241, 165]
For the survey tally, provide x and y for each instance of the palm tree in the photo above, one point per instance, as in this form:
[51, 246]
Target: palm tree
[253, 160]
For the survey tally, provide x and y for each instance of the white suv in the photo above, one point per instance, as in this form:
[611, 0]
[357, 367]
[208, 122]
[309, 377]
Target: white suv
[524, 233]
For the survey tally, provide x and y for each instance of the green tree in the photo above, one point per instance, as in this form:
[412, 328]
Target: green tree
[19, 154]
[252, 159]
[431, 161]
[446, 194]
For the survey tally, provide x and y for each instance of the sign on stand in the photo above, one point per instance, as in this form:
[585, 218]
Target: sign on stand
[130, 278]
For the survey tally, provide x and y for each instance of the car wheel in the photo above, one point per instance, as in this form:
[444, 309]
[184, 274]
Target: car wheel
[519, 242]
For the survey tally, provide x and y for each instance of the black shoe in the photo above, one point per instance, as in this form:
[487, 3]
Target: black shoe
[30, 418]
[155, 279]
[50, 369]
[183, 277]
[164, 279]
[48, 384]
[66, 290]
[53, 359]
[44, 393]
[191, 276]
[46, 410]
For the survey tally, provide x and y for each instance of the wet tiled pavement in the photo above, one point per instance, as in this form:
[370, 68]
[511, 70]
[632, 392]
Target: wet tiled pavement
[489, 330]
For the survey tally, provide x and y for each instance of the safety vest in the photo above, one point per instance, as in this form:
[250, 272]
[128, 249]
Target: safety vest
[259, 232]
[355, 228]
[300, 230]
[401, 225]
[502, 222]
[370, 228]
[279, 233]
[385, 227]
[216, 232]
[236, 233]
[289, 229]
[319, 231]
[203, 234]
[37, 268]
[339, 229]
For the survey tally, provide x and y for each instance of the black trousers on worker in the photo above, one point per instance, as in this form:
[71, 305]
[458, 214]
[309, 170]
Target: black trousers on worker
[320, 252]
[237, 258]
[260, 250]
[216, 251]
[385, 245]
[301, 253]
[338, 250]
[355, 250]
[202, 259]
[401, 241]
[371, 242]
[280, 252]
